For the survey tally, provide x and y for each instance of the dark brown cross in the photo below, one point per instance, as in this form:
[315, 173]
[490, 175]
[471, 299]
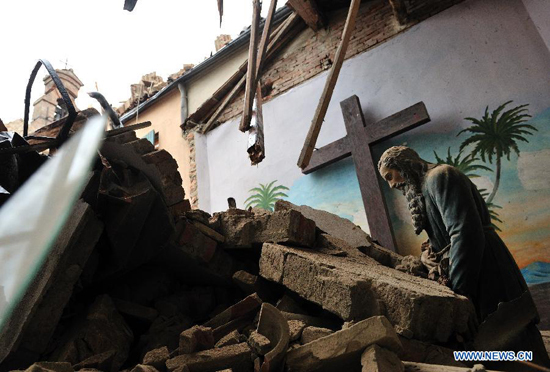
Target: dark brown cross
[358, 143]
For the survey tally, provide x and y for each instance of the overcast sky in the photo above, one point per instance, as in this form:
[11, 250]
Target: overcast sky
[105, 44]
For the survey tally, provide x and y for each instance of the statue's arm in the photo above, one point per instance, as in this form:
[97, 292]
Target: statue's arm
[451, 193]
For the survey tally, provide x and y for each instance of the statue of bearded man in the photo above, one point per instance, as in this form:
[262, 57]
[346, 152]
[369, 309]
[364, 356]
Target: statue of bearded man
[448, 206]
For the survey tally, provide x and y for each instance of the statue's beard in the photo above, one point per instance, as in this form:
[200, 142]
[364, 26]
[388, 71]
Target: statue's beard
[417, 205]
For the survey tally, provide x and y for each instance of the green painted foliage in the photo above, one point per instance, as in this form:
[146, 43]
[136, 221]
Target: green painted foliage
[265, 196]
[496, 134]
[465, 165]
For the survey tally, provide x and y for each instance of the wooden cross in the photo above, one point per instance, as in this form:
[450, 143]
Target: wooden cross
[358, 144]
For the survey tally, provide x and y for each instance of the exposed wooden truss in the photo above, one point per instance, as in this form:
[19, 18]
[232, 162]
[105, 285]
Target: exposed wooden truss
[400, 11]
[213, 107]
[309, 12]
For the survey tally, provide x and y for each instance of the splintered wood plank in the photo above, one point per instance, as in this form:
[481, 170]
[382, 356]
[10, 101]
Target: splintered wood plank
[332, 78]
[220, 10]
[247, 115]
[251, 72]
[309, 12]
[371, 192]
[265, 38]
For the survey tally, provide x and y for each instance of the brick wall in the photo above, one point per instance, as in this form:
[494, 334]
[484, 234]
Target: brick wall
[312, 53]
[194, 191]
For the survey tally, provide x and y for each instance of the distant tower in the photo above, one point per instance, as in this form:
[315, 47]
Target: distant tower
[45, 107]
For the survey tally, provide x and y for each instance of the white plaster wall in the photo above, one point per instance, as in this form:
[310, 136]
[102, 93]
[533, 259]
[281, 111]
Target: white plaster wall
[539, 10]
[477, 53]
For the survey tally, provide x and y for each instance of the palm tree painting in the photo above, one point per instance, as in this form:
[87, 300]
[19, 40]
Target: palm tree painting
[495, 135]
[465, 165]
[266, 196]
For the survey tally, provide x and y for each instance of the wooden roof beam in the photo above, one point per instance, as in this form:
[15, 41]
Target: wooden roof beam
[309, 12]
[400, 11]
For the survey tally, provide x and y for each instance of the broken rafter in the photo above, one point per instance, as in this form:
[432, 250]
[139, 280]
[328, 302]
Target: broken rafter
[210, 106]
[256, 145]
[400, 11]
[265, 38]
[332, 78]
[281, 36]
[251, 70]
[247, 111]
[220, 10]
[309, 12]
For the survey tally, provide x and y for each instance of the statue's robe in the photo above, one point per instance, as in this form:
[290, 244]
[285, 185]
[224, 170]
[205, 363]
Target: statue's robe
[481, 266]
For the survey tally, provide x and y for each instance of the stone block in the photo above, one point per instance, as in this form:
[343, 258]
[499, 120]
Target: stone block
[195, 339]
[379, 359]
[244, 229]
[157, 358]
[259, 343]
[288, 227]
[310, 334]
[330, 223]
[344, 347]
[296, 328]
[231, 338]
[355, 290]
[238, 357]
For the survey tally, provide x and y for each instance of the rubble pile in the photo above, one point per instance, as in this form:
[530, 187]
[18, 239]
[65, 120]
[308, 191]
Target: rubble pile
[140, 282]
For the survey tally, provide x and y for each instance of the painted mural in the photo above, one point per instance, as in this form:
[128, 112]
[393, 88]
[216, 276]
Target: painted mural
[519, 204]
[265, 196]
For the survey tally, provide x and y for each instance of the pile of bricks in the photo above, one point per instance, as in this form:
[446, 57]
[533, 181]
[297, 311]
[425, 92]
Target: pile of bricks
[140, 282]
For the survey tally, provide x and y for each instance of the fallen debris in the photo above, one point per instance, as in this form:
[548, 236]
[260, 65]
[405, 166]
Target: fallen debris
[142, 283]
[310, 334]
[379, 359]
[237, 357]
[356, 290]
[343, 347]
[275, 328]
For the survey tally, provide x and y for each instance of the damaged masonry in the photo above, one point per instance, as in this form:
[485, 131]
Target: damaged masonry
[108, 264]
[140, 282]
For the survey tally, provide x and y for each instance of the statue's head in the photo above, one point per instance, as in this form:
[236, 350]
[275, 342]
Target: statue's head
[402, 162]
[402, 168]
